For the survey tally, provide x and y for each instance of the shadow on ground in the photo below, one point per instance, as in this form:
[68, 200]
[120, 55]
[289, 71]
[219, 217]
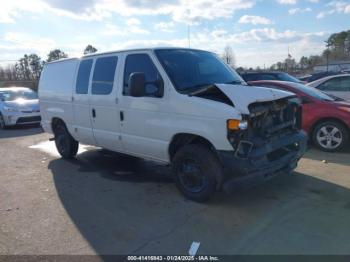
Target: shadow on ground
[124, 205]
[18, 131]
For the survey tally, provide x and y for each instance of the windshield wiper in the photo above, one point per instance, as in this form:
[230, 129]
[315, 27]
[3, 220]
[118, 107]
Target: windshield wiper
[234, 82]
[200, 89]
[205, 87]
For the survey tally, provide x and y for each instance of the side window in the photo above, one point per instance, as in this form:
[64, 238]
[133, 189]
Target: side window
[331, 85]
[267, 77]
[103, 78]
[83, 77]
[345, 84]
[249, 77]
[141, 63]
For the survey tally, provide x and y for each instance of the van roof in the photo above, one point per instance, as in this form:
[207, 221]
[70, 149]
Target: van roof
[62, 60]
[140, 49]
[124, 50]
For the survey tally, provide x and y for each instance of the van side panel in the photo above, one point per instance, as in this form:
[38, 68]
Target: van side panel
[55, 92]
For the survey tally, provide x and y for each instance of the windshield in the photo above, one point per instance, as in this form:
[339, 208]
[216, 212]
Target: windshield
[315, 93]
[288, 78]
[190, 70]
[10, 95]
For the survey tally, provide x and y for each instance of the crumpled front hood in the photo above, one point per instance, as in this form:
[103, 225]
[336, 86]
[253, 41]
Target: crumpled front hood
[242, 96]
[24, 105]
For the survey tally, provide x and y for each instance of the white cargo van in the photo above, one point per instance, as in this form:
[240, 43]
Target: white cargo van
[174, 105]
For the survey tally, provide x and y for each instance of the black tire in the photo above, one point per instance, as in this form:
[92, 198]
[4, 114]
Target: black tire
[196, 169]
[2, 122]
[66, 145]
[324, 139]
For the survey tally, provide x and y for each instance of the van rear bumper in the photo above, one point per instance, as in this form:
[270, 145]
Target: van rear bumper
[266, 160]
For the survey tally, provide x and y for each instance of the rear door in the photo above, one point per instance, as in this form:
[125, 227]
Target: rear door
[339, 86]
[104, 103]
[81, 104]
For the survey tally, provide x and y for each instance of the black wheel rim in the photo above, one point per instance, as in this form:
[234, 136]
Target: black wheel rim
[191, 176]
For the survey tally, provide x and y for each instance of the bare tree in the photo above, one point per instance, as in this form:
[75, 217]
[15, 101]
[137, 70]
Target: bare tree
[229, 57]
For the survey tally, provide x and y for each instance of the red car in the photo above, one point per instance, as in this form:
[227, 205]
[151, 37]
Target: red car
[325, 118]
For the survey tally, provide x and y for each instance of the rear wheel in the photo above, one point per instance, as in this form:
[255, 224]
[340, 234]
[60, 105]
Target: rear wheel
[2, 122]
[195, 169]
[330, 136]
[66, 145]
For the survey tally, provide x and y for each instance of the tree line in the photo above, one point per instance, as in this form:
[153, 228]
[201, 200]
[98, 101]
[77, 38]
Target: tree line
[337, 48]
[28, 68]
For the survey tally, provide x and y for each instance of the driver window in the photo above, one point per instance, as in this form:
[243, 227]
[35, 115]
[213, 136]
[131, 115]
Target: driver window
[141, 63]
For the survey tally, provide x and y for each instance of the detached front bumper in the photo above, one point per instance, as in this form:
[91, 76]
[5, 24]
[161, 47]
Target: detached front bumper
[266, 159]
[20, 118]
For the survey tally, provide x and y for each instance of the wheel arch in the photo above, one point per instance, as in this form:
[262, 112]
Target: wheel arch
[181, 139]
[56, 121]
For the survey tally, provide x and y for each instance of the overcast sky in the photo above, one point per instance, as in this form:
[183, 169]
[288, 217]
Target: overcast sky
[258, 31]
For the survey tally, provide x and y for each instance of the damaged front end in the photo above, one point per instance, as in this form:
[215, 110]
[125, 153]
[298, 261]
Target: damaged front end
[271, 144]
[267, 120]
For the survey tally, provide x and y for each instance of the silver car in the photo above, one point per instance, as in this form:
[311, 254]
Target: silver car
[337, 85]
[18, 106]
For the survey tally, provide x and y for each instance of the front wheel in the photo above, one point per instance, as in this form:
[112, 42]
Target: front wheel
[330, 136]
[196, 169]
[66, 145]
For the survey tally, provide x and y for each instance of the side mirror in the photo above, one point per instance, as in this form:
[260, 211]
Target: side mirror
[137, 84]
[139, 87]
[160, 87]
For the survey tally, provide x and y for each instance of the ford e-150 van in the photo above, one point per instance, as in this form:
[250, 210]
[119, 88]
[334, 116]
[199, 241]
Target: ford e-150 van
[180, 106]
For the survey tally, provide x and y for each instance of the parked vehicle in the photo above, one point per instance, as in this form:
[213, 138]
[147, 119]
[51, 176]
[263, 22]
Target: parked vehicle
[18, 106]
[180, 106]
[338, 85]
[316, 76]
[304, 78]
[325, 119]
[256, 76]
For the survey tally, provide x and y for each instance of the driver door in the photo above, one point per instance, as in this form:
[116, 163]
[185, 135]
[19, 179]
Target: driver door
[142, 117]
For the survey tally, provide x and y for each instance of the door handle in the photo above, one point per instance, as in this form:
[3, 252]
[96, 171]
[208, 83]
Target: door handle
[93, 113]
[121, 114]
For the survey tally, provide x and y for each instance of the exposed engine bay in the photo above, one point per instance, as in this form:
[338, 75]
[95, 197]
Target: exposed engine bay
[270, 118]
[267, 121]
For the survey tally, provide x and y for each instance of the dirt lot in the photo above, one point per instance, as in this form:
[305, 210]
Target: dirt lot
[103, 203]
